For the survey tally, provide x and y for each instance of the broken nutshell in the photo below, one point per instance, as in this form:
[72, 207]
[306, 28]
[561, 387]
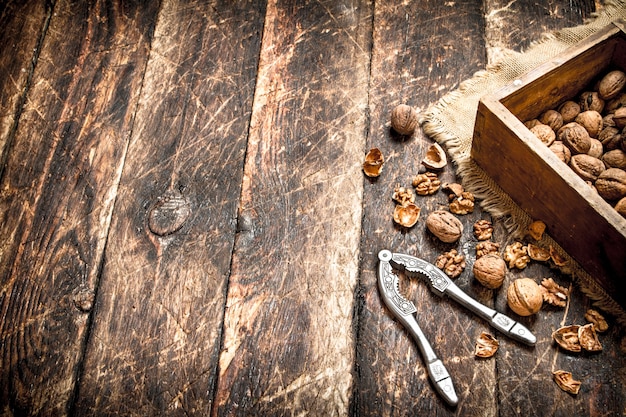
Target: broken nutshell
[435, 157]
[537, 253]
[567, 338]
[536, 229]
[451, 262]
[406, 215]
[566, 381]
[373, 165]
[486, 345]
[588, 338]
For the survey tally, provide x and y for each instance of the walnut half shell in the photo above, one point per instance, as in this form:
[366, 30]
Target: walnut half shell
[373, 165]
[486, 345]
[566, 382]
[435, 157]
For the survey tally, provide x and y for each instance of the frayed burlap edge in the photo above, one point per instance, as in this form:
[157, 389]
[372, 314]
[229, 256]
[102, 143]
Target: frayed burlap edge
[450, 122]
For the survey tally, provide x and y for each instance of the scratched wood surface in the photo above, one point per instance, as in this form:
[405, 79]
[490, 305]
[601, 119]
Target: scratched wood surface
[185, 228]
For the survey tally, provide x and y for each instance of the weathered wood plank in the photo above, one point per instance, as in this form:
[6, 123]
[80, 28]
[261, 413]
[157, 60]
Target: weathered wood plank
[155, 341]
[57, 195]
[421, 51]
[288, 345]
[22, 27]
[525, 385]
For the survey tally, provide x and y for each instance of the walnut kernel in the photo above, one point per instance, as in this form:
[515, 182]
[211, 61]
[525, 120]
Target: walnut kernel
[486, 247]
[516, 255]
[598, 320]
[483, 229]
[426, 184]
[403, 195]
[462, 204]
[553, 293]
[451, 263]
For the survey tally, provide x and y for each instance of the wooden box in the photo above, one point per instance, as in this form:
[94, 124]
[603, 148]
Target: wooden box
[586, 226]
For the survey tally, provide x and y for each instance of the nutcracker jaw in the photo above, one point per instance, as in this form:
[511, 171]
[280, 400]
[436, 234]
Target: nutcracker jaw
[404, 311]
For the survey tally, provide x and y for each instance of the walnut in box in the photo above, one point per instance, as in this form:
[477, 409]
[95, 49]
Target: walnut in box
[587, 227]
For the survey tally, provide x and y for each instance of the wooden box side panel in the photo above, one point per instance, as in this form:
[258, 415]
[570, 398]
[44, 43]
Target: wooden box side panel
[542, 186]
[560, 79]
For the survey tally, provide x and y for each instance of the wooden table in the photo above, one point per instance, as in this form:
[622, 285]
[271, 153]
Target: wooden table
[185, 228]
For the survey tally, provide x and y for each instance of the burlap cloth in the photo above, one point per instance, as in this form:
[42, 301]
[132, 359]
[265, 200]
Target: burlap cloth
[451, 123]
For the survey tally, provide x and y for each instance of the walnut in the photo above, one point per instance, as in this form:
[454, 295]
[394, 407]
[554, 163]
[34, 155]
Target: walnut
[615, 159]
[483, 229]
[611, 84]
[620, 207]
[544, 133]
[406, 215]
[588, 338]
[566, 381]
[552, 118]
[610, 137]
[590, 100]
[611, 184]
[524, 297]
[486, 247]
[435, 157]
[516, 255]
[599, 322]
[553, 293]
[561, 151]
[532, 123]
[486, 345]
[596, 150]
[490, 270]
[575, 137]
[586, 167]
[567, 338]
[537, 253]
[373, 165]
[591, 120]
[452, 263]
[404, 119]
[569, 110]
[619, 118]
[444, 226]
[615, 103]
[463, 204]
[403, 195]
[536, 229]
[426, 184]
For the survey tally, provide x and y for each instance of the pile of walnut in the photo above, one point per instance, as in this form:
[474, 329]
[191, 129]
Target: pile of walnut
[524, 296]
[589, 134]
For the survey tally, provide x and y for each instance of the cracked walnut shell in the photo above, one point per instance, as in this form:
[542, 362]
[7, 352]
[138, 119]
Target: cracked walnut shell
[435, 157]
[524, 297]
[486, 345]
[451, 263]
[373, 165]
[536, 229]
[567, 338]
[588, 338]
[406, 215]
[566, 382]
[537, 253]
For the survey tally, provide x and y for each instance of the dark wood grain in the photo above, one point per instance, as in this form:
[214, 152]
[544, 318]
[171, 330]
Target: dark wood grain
[22, 28]
[288, 344]
[156, 337]
[421, 51]
[57, 196]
